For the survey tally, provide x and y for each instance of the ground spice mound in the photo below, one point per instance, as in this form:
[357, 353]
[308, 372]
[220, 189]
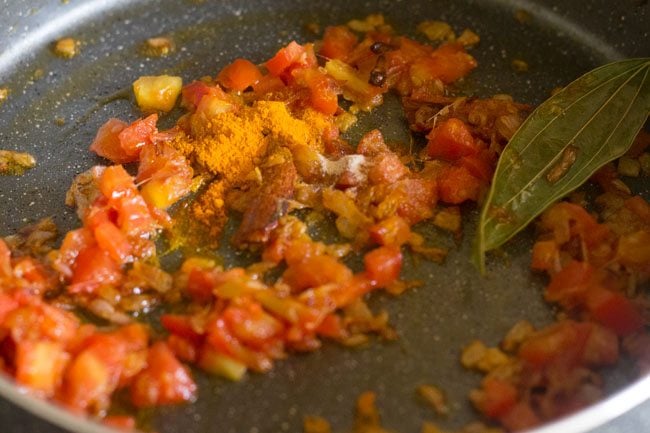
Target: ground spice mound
[231, 144]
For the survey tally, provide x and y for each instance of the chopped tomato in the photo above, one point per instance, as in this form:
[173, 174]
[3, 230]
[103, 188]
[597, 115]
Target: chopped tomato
[92, 268]
[383, 265]
[34, 320]
[449, 63]
[496, 397]
[386, 168]
[520, 417]
[481, 165]
[239, 75]
[164, 381]
[7, 305]
[570, 284]
[292, 54]
[372, 143]
[614, 311]
[112, 240]
[451, 140]
[134, 217]
[87, 383]
[268, 84]
[39, 365]
[457, 185]
[108, 145]
[393, 230]
[181, 326]
[251, 324]
[338, 42]
[315, 271]
[120, 422]
[73, 242]
[414, 198]
[136, 135]
[5, 259]
[563, 342]
[546, 256]
[115, 182]
[193, 93]
[323, 91]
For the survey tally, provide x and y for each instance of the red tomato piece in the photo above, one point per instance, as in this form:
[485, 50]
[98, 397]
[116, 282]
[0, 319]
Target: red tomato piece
[393, 230]
[386, 168]
[7, 305]
[137, 134]
[120, 422]
[450, 62]
[457, 185]
[546, 256]
[115, 182]
[451, 140]
[5, 259]
[570, 284]
[415, 198]
[563, 342]
[164, 381]
[87, 383]
[481, 165]
[92, 268]
[108, 145]
[372, 143]
[73, 242]
[193, 93]
[520, 417]
[251, 324]
[134, 217]
[323, 91]
[268, 84]
[497, 398]
[383, 265]
[338, 42]
[239, 75]
[39, 365]
[286, 57]
[112, 240]
[181, 326]
[315, 271]
[614, 311]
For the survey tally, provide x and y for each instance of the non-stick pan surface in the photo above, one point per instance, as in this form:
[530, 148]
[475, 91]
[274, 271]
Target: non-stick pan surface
[560, 41]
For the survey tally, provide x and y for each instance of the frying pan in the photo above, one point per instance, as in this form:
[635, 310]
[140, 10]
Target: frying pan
[55, 107]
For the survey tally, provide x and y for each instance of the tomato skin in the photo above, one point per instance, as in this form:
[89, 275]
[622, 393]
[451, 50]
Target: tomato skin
[451, 140]
[181, 326]
[239, 75]
[164, 381]
[315, 271]
[457, 185]
[107, 142]
[138, 134]
[92, 268]
[481, 165]
[383, 265]
[338, 42]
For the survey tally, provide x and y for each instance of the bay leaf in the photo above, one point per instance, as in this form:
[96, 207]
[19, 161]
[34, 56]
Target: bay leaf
[562, 143]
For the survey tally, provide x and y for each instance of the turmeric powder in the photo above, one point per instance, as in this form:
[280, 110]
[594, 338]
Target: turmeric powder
[231, 144]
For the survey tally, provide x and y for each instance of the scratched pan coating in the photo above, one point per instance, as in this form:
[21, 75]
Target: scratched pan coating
[560, 41]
